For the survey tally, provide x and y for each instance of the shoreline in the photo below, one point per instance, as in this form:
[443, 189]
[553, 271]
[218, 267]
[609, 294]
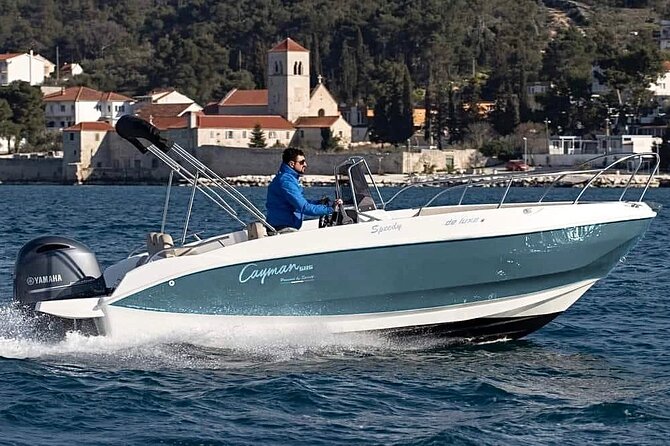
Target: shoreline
[400, 180]
[396, 180]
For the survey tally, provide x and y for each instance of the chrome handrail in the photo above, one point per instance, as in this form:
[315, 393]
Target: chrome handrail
[467, 182]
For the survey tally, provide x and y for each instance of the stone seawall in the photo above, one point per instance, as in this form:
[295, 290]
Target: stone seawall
[31, 170]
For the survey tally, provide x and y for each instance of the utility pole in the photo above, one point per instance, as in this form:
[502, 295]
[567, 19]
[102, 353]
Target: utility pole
[525, 150]
[546, 127]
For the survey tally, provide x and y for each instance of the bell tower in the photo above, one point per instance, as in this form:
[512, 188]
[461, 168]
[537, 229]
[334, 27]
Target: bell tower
[288, 80]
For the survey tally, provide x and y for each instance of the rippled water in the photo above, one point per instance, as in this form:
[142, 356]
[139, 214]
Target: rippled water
[599, 374]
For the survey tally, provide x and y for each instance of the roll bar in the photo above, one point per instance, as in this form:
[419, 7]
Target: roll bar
[200, 177]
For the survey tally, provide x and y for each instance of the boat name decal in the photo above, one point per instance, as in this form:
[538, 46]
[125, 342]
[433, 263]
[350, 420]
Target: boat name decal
[380, 229]
[464, 221]
[40, 280]
[251, 272]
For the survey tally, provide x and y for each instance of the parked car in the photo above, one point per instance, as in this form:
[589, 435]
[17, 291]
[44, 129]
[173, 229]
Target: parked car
[516, 165]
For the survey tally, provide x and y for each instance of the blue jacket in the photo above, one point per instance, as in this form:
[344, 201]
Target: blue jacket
[286, 205]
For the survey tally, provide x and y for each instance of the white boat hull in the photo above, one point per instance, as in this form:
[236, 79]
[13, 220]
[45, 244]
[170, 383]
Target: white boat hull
[523, 312]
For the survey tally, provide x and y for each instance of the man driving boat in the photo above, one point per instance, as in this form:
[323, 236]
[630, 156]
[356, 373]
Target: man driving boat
[286, 205]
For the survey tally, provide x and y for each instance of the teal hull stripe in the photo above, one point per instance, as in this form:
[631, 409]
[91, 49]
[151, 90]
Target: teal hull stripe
[403, 277]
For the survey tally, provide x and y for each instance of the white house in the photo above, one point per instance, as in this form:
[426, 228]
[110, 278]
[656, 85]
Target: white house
[572, 151]
[70, 70]
[154, 112]
[603, 144]
[70, 106]
[164, 96]
[26, 67]
[236, 130]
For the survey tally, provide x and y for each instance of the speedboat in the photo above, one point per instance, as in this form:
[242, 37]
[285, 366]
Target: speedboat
[476, 272]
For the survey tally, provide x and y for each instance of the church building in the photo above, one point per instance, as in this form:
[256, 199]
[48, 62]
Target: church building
[311, 112]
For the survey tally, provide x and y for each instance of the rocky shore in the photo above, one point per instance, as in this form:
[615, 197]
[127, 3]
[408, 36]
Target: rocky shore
[399, 180]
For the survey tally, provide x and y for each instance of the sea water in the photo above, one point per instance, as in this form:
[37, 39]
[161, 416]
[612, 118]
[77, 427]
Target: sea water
[599, 374]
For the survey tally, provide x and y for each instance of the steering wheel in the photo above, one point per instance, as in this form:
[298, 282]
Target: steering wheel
[325, 220]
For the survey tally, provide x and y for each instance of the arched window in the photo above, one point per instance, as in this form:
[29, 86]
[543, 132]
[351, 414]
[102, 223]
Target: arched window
[276, 67]
[295, 68]
[322, 112]
[299, 67]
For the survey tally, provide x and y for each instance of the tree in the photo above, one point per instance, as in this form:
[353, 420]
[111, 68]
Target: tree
[328, 141]
[393, 120]
[26, 104]
[8, 129]
[257, 138]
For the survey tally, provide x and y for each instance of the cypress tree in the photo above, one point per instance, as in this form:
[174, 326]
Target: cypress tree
[257, 138]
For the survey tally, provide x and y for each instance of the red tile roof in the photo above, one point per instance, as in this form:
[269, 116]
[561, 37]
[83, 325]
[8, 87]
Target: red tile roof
[316, 121]
[272, 122]
[76, 94]
[286, 45]
[97, 126]
[147, 110]
[245, 97]
[7, 56]
[170, 122]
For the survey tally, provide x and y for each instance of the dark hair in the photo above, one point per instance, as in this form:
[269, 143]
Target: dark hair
[291, 154]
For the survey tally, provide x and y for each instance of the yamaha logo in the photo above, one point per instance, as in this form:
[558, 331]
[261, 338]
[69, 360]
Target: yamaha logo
[40, 280]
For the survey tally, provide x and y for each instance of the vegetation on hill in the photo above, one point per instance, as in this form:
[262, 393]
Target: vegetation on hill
[453, 53]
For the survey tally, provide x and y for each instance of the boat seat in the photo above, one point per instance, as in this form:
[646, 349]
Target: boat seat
[256, 230]
[160, 241]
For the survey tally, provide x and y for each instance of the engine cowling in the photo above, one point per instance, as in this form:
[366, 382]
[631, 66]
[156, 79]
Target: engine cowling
[53, 267]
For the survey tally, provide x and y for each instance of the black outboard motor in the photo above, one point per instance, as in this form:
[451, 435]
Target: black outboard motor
[51, 267]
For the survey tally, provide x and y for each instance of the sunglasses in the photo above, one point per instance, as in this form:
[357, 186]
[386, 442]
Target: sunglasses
[301, 162]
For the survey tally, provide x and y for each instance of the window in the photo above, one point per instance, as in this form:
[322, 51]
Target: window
[109, 108]
[51, 108]
[340, 133]
[62, 123]
[288, 135]
[272, 134]
[98, 107]
[302, 133]
[51, 124]
[72, 137]
[98, 164]
[74, 152]
[229, 134]
[97, 136]
[62, 108]
[211, 134]
[122, 108]
[244, 133]
[321, 112]
[72, 107]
